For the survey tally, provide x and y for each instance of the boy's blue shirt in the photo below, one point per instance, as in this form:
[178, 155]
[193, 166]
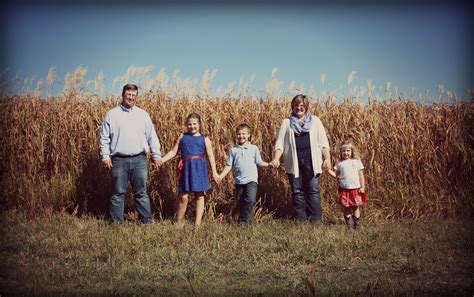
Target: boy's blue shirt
[244, 159]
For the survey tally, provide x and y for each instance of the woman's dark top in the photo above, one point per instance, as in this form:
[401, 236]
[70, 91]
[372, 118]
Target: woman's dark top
[303, 146]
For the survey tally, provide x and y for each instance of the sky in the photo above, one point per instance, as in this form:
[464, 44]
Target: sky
[415, 47]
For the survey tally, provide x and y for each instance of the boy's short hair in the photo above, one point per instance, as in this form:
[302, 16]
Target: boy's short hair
[243, 126]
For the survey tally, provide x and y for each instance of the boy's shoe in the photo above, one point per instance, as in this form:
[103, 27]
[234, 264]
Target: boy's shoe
[348, 221]
[356, 222]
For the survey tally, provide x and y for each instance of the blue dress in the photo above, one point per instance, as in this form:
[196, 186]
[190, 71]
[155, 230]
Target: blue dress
[194, 175]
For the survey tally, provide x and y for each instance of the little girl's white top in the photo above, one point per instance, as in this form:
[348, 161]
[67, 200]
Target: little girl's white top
[349, 173]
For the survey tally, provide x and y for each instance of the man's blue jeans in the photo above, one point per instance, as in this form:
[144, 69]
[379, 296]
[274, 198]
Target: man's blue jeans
[305, 192]
[135, 170]
[246, 197]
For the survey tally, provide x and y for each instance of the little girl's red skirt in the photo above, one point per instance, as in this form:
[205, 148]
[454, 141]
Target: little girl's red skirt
[350, 197]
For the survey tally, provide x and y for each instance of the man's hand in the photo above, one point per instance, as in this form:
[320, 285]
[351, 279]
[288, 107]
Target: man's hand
[158, 163]
[107, 164]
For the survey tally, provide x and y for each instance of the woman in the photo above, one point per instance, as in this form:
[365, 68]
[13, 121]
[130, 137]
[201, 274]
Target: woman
[304, 145]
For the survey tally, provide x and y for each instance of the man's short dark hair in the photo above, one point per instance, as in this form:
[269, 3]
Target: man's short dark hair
[127, 87]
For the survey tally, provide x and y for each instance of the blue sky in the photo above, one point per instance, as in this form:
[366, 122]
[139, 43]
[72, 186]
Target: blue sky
[417, 46]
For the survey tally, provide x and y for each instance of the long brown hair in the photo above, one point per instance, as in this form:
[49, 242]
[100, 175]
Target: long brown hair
[196, 116]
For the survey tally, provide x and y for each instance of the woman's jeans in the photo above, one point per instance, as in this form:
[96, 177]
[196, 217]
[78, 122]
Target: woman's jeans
[135, 170]
[246, 197]
[305, 192]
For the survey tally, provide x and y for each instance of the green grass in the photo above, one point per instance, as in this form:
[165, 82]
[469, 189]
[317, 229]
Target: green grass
[65, 255]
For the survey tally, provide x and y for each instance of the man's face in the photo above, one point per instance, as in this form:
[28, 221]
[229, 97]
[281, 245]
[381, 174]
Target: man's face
[129, 98]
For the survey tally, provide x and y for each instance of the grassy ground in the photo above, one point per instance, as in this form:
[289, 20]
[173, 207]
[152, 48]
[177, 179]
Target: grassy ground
[64, 255]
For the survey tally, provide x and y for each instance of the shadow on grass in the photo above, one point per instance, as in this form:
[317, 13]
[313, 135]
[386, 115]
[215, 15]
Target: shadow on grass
[93, 190]
[94, 187]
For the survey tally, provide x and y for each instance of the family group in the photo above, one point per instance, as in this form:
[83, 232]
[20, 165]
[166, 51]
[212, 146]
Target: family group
[128, 136]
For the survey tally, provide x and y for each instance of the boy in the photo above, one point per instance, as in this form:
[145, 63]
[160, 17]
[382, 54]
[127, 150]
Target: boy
[244, 158]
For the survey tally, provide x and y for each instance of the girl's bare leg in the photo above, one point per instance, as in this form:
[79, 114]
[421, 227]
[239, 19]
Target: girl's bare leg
[199, 208]
[182, 205]
[356, 211]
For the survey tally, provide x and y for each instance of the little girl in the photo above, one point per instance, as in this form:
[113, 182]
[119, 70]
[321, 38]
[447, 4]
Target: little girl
[193, 172]
[351, 193]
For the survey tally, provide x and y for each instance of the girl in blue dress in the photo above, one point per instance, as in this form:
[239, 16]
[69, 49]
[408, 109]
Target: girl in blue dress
[193, 173]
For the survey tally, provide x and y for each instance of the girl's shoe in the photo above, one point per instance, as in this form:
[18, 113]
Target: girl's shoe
[348, 221]
[356, 222]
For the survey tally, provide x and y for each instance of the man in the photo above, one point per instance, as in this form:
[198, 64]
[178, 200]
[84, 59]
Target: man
[126, 135]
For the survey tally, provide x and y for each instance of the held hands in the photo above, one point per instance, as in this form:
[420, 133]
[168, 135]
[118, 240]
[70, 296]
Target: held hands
[217, 178]
[275, 163]
[158, 163]
[107, 164]
[327, 164]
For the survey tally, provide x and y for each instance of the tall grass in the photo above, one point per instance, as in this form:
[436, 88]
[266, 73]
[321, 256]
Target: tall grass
[418, 158]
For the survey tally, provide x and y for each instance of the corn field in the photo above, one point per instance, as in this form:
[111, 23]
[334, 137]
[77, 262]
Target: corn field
[418, 158]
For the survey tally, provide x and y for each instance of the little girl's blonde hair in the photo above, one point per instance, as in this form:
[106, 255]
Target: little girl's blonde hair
[355, 152]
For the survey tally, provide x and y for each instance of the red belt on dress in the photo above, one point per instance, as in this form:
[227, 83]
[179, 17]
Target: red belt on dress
[181, 164]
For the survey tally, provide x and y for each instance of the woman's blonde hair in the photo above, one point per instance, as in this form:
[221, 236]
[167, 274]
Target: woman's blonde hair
[354, 151]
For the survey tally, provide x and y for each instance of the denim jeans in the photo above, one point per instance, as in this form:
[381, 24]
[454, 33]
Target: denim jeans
[135, 170]
[246, 197]
[305, 192]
